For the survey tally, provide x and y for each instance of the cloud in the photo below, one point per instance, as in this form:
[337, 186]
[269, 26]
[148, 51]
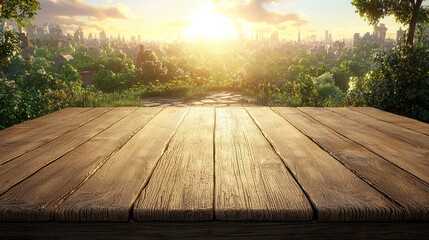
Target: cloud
[73, 13]
[80, 8]
[255, 11]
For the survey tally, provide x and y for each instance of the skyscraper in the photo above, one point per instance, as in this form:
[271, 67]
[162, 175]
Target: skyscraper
[400, 35]
[356, 39]
[380, 32]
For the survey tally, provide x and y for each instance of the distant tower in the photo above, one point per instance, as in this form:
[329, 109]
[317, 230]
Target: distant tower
[328, 37]
[45, 29]
[78, 36]
[400, 35]
[32, 31]
[102, 36]
[356, 39]
[380, 32]
[299, 36]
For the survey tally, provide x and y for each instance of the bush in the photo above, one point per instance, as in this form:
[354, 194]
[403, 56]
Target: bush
[399, 81]
[329, 95]
[306, 90]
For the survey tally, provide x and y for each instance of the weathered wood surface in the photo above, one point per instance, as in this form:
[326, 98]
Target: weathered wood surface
[252, 182]
[210, 164]
[25, 165]
[181, 186]
[337, 193]
[44, 131]
[399, 185]
[37, 197]
[391, 129]
[41, 122]
[404, 122]
[110, 194]
[407, 156]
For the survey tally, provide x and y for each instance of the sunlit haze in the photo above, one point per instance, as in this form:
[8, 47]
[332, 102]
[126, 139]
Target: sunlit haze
[209, 19]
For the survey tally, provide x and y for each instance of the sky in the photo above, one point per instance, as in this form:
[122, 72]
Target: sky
[214, 19]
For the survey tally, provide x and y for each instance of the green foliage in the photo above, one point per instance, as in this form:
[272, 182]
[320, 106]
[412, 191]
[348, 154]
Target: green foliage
[93, 98]
[341, 78]
[329, 95]
[306, 89]
[286, 75]
[32, 89]
[19, 11]
[399, 81]
[357, 92]
[326, 78]
[404, 11]
[9, 46]
[107, 81]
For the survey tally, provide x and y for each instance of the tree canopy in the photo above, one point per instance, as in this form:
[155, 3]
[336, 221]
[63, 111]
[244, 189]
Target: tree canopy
[407, 12]
[19, 11]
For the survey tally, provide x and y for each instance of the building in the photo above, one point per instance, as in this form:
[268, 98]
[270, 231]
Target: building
[356, 39]
[55, 30]
[380, 31]
[328, 37]
[102, 36]
[400, 35]
[78, 36]
[31, 31]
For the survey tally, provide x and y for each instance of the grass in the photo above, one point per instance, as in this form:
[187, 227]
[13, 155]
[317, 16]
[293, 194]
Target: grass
[118, 99]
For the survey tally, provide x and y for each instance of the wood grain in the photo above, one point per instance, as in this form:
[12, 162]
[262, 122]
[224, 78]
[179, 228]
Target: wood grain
[37, 197]
[336, 193]
[252, 183]
[402, 121]
[43, 121]
[110, 193]
[393, 130]
[181, 187]
[405, 155]
[27, 164]
[394, 182]
[215, 230]
[17, 145]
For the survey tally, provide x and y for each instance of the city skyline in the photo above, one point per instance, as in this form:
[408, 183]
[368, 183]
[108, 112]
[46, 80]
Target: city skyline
[212, 19]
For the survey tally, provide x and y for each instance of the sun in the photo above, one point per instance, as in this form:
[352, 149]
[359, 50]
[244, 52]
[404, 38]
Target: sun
[207, 24]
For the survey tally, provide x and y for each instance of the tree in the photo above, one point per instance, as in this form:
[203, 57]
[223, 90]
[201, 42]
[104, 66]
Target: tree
[19, 11]
[408, 12]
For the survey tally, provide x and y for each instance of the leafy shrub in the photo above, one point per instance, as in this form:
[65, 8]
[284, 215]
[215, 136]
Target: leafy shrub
[306, 90]
[329, 95]
[399, 81]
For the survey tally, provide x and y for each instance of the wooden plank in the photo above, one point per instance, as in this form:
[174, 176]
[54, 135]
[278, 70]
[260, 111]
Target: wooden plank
[404, 134]
[407, 156]
[402, 121]
[27, 164]
[49, 119]
[181, 187]
[217, 230]
[389, 179]
[15, 146]
[111, 192]
[336, 193]
[37, 197]
[251, 180]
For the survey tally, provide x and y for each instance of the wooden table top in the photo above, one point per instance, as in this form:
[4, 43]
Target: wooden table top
[215, 164]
